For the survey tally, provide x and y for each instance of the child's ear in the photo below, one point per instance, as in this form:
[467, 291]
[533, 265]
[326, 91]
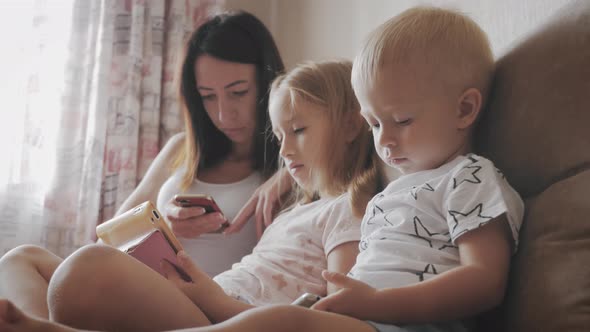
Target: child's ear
[352, 126]
[469, 108]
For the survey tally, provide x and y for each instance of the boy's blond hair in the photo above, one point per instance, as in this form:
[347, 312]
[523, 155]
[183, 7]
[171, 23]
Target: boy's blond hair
[449, 44]
[345, 166]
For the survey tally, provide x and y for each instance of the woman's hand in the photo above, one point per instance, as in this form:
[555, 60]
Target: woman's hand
[191, 222]
[355, 298]
[263, 204]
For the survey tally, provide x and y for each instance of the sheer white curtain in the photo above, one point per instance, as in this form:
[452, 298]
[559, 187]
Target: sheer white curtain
[89, 98]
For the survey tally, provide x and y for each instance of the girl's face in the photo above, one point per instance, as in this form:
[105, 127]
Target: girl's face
[302, 132]
[229, 94]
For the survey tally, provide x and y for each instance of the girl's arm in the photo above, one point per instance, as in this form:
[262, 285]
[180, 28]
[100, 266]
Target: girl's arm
[205, 293]
[475, 286]
[341, 259]
[156, 175]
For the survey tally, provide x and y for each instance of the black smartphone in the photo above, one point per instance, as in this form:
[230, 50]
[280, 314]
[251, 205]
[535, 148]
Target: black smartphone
[307, 300]
[205, 201]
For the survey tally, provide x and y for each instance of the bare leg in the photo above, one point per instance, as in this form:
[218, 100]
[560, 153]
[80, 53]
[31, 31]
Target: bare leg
[13, 319]
[24, 276]
[265, 319]
[288, 318]
[101, 288]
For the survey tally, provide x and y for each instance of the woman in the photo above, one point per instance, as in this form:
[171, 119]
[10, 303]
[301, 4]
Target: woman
[224, 152]
[227, 69]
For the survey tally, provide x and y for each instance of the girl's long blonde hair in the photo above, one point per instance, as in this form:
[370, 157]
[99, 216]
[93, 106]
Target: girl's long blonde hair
[351, 167]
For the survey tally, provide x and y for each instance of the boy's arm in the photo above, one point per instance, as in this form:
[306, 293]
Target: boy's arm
[475, 286]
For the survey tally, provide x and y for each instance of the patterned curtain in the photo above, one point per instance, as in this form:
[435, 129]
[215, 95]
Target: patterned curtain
[98, 101]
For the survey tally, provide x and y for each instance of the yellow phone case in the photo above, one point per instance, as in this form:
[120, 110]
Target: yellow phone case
[136, 224]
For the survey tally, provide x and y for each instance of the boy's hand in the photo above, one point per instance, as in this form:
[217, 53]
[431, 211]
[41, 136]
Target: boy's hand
[355, 298]
[201, 289]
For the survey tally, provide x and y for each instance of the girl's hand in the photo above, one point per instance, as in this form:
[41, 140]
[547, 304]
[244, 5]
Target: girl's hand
[191, 222]
[263, 204]
[355, 298]
[202, 289]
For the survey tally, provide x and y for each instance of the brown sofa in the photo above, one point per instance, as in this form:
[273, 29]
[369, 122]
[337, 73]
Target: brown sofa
[537, 130]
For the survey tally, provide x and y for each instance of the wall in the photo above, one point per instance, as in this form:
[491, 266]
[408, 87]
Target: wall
[320, 29]
[323, 29]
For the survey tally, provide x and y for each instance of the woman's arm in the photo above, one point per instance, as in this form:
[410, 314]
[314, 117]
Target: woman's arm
[156, 175]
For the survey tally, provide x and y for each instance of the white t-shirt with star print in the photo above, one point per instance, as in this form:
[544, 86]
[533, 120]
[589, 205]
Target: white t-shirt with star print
[409, 230]
[289, 258]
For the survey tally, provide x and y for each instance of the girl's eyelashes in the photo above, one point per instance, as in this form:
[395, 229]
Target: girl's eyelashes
[374, 125]
[277, 139]
[404, 122]
[207, 97]
[295, 131]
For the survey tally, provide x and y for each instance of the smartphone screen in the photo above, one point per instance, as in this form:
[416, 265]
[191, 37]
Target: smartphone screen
[205, 201]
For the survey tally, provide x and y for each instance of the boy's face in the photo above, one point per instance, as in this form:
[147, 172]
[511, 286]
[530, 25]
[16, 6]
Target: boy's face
[416, 125]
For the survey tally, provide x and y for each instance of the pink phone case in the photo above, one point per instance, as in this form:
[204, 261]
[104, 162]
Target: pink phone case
[141, 233]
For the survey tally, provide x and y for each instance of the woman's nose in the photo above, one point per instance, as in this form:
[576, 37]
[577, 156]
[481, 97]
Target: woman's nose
[224, 110]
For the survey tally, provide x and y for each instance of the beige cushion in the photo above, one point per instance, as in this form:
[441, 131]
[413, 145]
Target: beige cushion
[537, 130]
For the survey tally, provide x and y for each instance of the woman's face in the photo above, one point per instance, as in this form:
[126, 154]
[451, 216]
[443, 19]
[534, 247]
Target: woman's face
[229, 94]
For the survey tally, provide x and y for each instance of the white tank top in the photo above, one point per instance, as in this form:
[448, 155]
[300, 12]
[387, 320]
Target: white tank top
[215, 253]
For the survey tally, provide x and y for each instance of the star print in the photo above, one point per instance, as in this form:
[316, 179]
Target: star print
[415, 190]
[419, 229]
[477, 208]
[280, 279]
[472, 158]
[471, 178]
[363, 245]
[310, 258]
[374, 209]
[430, 268]
[467, 230]
[449, 244]
[305, 242]
[387, 220]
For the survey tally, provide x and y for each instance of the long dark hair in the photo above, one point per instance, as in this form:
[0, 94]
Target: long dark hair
[237, 37]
